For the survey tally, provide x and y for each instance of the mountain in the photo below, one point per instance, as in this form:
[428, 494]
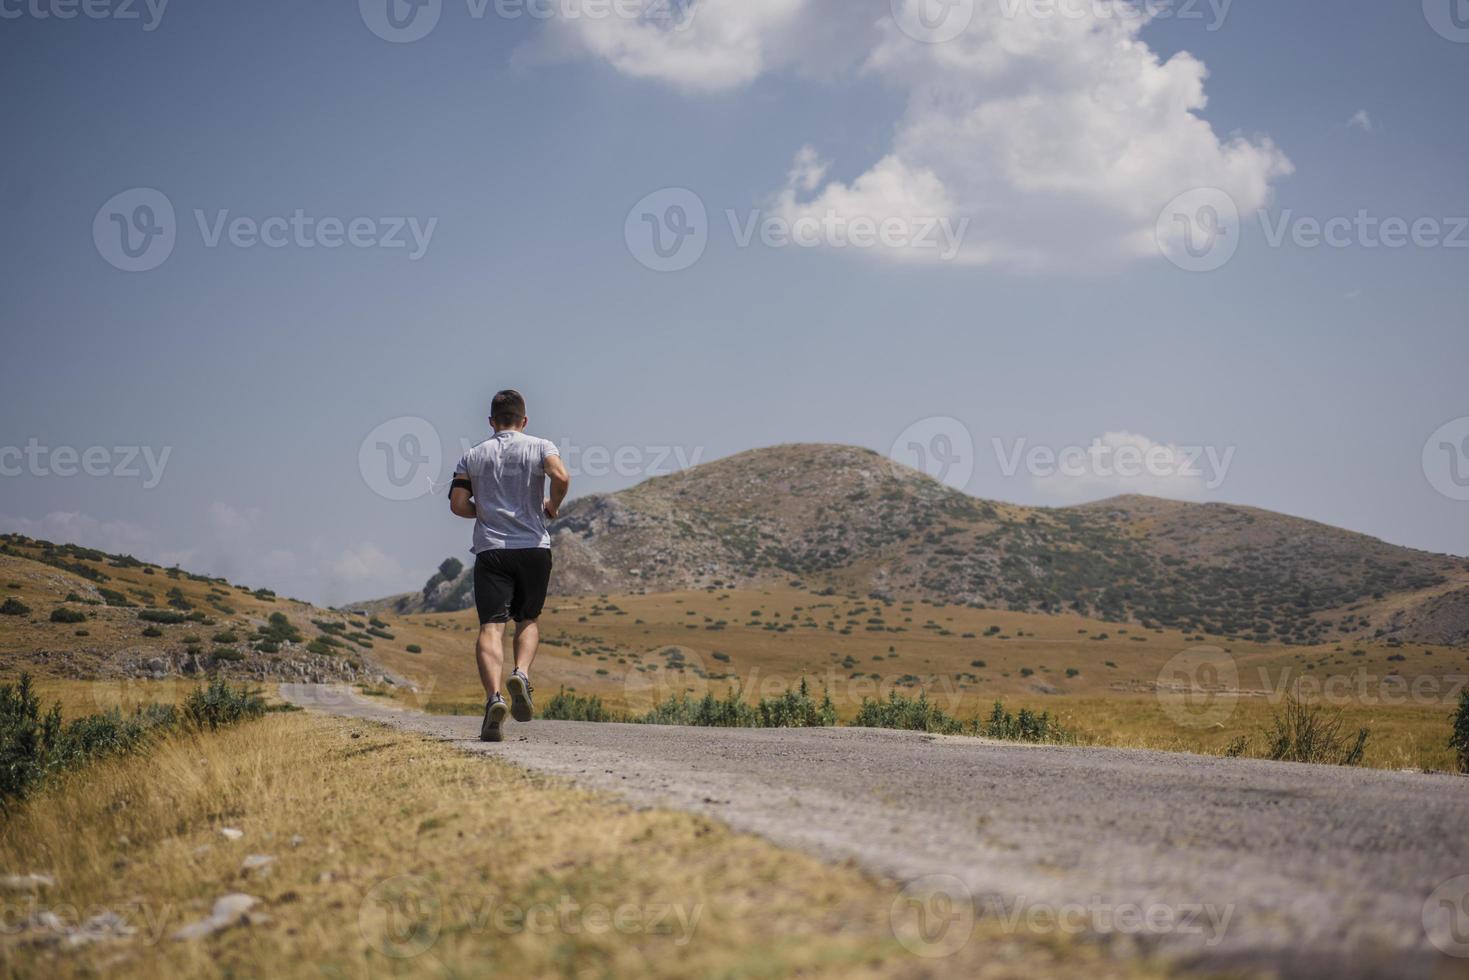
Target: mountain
[851, 521]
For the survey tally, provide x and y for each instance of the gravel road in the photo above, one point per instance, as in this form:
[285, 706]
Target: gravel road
[1213, 864]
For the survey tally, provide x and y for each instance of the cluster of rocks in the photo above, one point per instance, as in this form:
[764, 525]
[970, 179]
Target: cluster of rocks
[296, 666]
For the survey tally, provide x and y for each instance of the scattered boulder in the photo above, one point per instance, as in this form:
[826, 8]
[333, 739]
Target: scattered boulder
[257, 863]
[229, 910]
[231, 833]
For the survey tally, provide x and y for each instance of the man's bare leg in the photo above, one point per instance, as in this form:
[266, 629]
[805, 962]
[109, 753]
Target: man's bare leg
[527, 641]
[527, 638]
[490, 654]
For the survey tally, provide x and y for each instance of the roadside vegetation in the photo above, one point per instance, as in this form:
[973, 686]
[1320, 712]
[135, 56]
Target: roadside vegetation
[1459, 740]
[1303, 731]
[348, 849]
[36, 745]
[793, 709]
[798, 709]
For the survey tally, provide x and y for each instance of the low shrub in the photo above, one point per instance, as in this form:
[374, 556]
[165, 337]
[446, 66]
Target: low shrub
[1302, 731]
[1459, 740]
[413, 648]
[221, 704]
[576, 707]
[62, 614]
[14, 607]
[906, 714]
[163, 616]
[1027, 726]
[35, 745]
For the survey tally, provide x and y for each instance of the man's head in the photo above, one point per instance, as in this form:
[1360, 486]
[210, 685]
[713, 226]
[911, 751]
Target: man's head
[507, 411]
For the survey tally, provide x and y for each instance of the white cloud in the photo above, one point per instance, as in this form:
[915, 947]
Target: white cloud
[715, 46]
[1059, 140]
[1361, 120]
[114, 537]
[365, 563]
[1126, 462]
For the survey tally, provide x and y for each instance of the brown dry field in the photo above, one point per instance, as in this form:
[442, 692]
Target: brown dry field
[1098, 678]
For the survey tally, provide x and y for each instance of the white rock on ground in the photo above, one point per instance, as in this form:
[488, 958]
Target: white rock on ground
[27, 883]
[256, 862]
[230, 833]
[229, 910]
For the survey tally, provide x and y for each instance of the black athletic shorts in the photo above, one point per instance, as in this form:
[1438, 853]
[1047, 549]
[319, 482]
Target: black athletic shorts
[511, 584]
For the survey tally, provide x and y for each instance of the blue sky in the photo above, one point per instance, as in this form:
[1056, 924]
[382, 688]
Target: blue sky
[1322, 381]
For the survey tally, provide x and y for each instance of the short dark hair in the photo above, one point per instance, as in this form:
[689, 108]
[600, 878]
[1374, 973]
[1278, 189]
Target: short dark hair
[508, 408]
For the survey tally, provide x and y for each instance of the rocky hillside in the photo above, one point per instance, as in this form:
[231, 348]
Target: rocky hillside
[849, 520]
[72, 612]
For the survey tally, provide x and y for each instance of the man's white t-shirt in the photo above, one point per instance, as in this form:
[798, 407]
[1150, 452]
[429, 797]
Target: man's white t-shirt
[508, 474]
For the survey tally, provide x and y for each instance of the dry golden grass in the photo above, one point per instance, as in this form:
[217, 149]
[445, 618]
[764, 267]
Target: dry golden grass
[1099, 675]
[395, 855]
[78, 698]
[614, 647]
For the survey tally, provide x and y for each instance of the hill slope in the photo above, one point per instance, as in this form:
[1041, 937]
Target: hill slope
[852, 521]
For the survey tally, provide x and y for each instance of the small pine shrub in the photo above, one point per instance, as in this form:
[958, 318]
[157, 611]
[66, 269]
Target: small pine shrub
[62, 614]
[413, 648]
[14, 607]
[1459, 740]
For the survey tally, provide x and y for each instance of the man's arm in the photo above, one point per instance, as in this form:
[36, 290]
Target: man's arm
[560, 484]
[461, 497]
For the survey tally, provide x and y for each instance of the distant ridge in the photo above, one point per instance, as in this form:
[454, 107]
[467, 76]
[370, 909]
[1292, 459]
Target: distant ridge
[850, 520]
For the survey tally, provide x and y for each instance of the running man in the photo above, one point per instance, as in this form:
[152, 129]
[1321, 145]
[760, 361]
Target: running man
[500, 485]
